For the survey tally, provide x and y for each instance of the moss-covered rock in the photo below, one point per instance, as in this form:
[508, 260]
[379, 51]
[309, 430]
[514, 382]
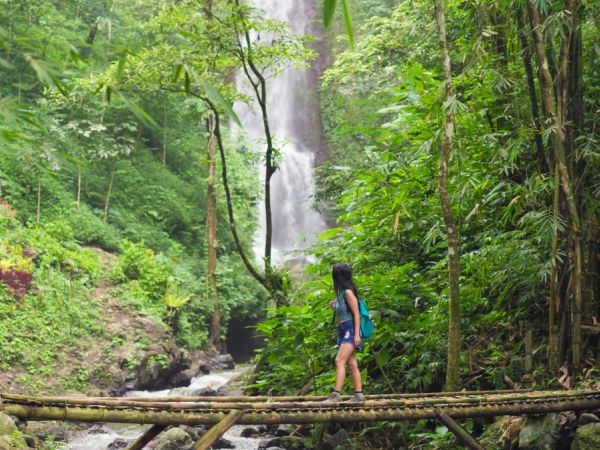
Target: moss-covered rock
[540, 432]
[587, 437]
[7, 425]
[174, 439]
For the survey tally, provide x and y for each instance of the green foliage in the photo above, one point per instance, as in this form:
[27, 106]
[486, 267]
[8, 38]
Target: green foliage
[58, 313]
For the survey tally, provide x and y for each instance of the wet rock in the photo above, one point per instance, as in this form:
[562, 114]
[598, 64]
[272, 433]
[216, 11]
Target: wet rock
[586, 418]
[58, 431]
[540, 432]
[157, 369]
[174, 439]
[223, 443]
[205, 392]
[341, 439]
[183, 378]
[276, 442]
[280, 432]
[117, 444]
[97, 429]
[249, 432]
[223, 362]
[293, 443]
[587, 437]
[203, 368]
[193, 432]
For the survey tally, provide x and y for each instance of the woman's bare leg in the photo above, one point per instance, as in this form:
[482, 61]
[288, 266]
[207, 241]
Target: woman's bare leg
[355, 373]
[344, 353]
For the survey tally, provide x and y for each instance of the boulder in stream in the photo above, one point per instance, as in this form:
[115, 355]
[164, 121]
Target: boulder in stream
[540, 432]
[174, 439]
[117, 444]
[223, 362]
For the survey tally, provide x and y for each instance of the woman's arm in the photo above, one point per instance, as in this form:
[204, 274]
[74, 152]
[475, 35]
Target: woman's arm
[352, 303]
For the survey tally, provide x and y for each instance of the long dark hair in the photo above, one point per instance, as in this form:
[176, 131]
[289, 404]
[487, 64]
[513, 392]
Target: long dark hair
[342, 278]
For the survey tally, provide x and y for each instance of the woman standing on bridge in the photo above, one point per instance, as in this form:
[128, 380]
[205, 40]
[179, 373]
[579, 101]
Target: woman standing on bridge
[347, 317]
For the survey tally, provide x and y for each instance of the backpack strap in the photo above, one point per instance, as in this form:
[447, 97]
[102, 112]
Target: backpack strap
[348, 308]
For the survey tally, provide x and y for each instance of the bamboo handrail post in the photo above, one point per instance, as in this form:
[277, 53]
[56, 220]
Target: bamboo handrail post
[218, 430]
[461, 434]
[145, 438]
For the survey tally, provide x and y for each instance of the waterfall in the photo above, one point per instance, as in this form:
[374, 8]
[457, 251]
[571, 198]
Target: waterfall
[294, 118]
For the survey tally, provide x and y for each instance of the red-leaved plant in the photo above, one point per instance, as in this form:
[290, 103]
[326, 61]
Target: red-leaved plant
[17, 281]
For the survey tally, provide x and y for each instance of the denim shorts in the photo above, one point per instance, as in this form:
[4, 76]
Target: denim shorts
[345, 334]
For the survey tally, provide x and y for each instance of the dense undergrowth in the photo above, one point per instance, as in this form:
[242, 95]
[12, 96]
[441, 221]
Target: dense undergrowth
[383, 114]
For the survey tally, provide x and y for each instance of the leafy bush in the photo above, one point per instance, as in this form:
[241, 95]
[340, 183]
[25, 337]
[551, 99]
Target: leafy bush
[138, 263]
[89, 229]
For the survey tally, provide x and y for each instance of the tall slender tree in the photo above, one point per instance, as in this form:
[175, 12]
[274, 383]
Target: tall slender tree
[453, 364]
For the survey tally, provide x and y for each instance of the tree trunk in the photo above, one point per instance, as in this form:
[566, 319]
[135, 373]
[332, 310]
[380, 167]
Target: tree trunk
[164, 155]
[554, 112]
[535, 113]
[110, 185]
[555, 299]
[453, 365]
[224, 176]
[211, 234]
[78, 186]
[259, 85]
[39, 200]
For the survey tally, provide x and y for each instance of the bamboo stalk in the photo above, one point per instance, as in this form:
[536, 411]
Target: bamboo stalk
[171, 405]
[253, 399]
[459, 431]
[529, 350]
[217, 430]
[337, 413]
[148, 435]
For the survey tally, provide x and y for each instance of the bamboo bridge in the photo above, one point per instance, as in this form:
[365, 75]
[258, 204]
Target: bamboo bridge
[223, 412]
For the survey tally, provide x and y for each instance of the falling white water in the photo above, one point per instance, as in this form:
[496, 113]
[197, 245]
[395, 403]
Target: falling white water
[293, 109]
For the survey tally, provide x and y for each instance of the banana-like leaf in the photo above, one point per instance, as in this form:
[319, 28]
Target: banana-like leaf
[216, 96]
[329, 11]
[137, 111]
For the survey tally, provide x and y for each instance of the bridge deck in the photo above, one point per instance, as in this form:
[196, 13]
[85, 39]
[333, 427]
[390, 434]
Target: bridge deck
[295, 410]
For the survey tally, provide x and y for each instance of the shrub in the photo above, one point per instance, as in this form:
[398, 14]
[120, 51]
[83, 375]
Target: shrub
[138, 263]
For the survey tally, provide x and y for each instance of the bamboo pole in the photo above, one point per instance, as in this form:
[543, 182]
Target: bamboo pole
[459, 431]
[334, 413]
[529, 350]
[254, 399]
[204, 406]
[148, 435]
[217, 430]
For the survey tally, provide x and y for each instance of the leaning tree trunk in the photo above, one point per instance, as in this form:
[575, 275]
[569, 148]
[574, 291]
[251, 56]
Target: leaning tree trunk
[225, 179]
[211, 235]
[554, 109]
[110, 186]
[453, 365]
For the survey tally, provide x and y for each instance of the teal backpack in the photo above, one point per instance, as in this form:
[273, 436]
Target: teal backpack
[367, 327]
